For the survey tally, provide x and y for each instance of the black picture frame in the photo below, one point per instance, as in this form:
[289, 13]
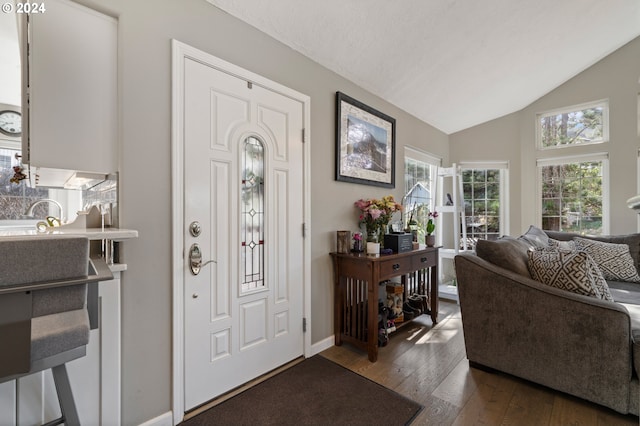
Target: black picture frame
[365, 144]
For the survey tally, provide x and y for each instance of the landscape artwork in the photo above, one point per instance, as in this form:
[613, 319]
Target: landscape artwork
[365, 144]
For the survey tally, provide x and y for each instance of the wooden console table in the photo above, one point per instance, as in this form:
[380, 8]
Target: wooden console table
[357, 278]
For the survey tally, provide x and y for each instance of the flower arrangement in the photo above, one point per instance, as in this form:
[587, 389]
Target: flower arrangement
[376, 214]
[430, 225]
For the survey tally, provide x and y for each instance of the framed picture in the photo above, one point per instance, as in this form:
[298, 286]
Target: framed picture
[365, 144]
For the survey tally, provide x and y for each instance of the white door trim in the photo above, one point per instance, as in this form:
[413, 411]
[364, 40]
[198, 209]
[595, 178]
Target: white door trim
[180, 52]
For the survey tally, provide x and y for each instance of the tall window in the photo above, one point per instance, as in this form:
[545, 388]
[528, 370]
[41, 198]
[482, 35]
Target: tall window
[419, 175]
[576, 125]
[252, 214]
[573, 194]
[484, 188]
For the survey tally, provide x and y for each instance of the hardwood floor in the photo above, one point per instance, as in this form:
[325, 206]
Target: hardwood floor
[428, 364]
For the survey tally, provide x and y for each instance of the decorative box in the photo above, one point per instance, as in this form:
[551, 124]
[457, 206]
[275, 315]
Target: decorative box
[399, 243]
[395, 300]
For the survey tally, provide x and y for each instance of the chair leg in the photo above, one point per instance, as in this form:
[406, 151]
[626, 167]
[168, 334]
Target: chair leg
[65, 396]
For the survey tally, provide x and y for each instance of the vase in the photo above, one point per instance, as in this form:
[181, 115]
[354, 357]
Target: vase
[430, 240]
[373, 248]
[381, 232]
[357, 246]
[372, 235]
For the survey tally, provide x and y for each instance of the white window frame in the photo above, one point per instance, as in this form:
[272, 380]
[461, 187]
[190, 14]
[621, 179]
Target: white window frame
[503, 166]
[604, 103]
[557, 161]
[424, 157]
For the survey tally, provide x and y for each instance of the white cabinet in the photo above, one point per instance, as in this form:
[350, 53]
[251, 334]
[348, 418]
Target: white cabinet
[95, 378]
[71, 88]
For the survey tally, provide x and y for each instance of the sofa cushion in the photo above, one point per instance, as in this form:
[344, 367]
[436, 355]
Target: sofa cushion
[573, 271]
[507, 252]
[614, 260]
[624, 292]
[535, 237]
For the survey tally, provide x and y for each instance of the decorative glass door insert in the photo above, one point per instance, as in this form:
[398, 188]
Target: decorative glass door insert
[252, 215]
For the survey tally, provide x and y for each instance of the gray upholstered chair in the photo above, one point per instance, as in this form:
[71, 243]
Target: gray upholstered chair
[44, 313]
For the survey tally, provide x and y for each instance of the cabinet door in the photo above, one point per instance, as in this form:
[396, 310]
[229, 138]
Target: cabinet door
[72, 89]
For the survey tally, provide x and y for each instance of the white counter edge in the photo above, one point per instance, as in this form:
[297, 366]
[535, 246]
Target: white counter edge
[115, 234]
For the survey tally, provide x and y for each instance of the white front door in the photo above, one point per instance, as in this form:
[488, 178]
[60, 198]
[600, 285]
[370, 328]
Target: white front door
[243, 193]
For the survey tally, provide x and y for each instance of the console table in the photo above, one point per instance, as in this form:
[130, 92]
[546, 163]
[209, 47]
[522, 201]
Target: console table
[357, 277]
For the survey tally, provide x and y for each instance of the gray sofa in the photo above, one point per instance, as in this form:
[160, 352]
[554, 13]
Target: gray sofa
[586, 347]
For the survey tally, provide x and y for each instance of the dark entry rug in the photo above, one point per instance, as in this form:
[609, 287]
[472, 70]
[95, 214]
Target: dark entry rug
[314, 392]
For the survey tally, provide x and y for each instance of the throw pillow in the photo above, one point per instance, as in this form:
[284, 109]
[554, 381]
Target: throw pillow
[614, 260]
[562, 245]
[573, 271]
[535, 237]
[506, 252]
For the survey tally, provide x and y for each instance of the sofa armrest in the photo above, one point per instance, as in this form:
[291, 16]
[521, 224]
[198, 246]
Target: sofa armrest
[566, 341]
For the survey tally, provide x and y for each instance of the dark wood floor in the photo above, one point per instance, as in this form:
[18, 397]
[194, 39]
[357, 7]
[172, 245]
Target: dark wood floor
[428, 364]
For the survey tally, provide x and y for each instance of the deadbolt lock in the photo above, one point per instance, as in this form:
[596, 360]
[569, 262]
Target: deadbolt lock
[195, 229]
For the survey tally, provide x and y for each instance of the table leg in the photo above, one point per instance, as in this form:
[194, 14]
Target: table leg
[434, 293]
[372, 321]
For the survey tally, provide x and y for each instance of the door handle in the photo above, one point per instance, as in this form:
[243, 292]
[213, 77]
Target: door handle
[195, 259]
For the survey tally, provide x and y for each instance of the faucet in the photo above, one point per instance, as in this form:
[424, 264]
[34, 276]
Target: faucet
[32, 207]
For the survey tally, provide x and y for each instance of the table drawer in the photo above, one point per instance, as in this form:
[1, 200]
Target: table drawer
[424, 260]
[394, 267]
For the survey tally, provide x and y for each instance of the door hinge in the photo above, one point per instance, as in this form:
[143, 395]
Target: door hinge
[249, 85]
[303, 136]
[304, 325]
[304, 230]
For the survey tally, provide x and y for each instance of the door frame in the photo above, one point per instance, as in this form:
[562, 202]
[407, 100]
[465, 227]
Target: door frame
[181, 51]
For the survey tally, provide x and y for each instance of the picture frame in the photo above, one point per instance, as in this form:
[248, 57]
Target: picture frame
[365, 144]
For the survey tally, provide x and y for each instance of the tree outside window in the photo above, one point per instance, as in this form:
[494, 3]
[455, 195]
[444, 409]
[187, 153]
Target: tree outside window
[578, 125]
[482, 194]
[572, 197]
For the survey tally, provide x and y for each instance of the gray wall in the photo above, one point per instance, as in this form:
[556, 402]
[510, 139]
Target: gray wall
[512, 138]
[145, 30]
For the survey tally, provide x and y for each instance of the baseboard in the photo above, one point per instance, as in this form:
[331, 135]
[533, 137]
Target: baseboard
[165, 419]
[320, 346]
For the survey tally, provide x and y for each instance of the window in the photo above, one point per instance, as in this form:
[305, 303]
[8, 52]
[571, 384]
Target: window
[252, 214]
[577, 125]
[573, 193]
[484, 188]
[419, 176]
[16, 196]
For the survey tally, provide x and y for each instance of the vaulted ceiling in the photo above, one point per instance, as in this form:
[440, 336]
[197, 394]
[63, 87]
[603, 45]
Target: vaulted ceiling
[451, 63]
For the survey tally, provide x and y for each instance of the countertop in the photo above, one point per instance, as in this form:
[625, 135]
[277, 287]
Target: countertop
[115, 234]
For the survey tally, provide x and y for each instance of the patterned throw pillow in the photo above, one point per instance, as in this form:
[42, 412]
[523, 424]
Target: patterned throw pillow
[614, 260]
[573, 271]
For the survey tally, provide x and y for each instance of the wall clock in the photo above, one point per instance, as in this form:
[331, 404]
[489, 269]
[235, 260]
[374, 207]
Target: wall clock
[11, 123]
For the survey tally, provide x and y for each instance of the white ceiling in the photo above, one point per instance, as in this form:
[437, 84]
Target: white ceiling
[451, 63]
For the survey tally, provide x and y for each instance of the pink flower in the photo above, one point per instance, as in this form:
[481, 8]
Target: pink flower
[362, 204]
[375, 213]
